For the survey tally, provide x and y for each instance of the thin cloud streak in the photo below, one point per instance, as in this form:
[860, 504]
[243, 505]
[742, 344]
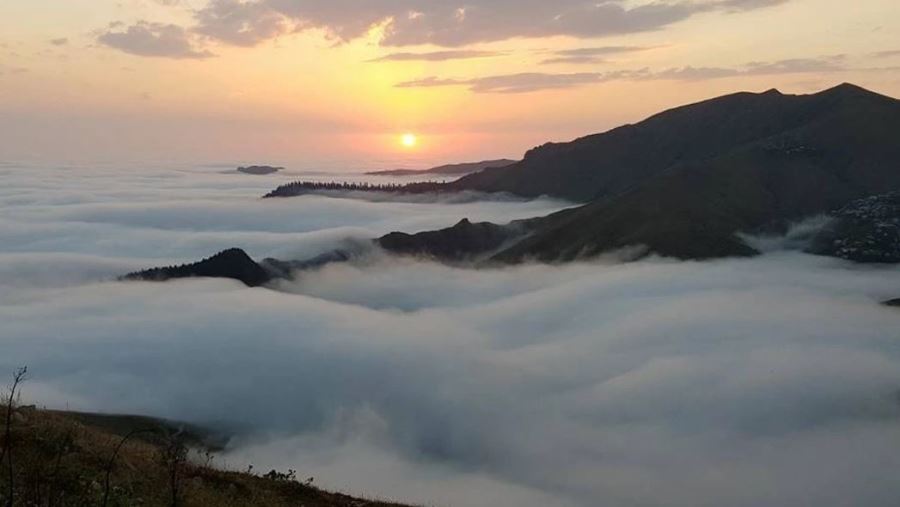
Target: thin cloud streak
[437, 56]
[590, 56]
[539, 81]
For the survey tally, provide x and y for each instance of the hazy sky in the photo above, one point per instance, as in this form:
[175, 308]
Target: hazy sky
[334, 84]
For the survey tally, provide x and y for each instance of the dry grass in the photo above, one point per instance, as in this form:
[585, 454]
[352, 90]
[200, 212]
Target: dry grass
[61, 459]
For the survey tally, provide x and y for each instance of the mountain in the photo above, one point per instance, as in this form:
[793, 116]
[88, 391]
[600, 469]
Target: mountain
[464, 241]
[233, 263]
[824, 151]
[684, 182]
[681, 184]
[742, 128]
[447, 170]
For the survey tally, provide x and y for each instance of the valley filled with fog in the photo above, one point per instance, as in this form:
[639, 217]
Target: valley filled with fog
[766, 381]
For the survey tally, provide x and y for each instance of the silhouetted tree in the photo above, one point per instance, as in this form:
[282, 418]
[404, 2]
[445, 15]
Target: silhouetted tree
[307, 187]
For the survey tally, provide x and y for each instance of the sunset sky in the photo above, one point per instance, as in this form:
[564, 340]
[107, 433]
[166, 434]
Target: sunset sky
[336, 84]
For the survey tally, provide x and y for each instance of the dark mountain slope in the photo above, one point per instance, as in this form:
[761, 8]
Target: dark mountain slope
[233, 263]
[613, 162]
[463, 241]
[850, 150]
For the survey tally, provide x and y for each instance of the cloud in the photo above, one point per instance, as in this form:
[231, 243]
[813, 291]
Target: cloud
[62, 41]
[521, 83]
[766, 381]
[242, 23]
[12, 70]
[437, 56]
[539, 81]
[187, 218]
[154, 39]
[593, 55]
[746, 5]
[453, 23]
[516, 83]
[888, 54]
[790, 66]
[528, 386]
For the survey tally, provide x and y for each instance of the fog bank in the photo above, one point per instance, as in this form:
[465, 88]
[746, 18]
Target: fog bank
[766, 381]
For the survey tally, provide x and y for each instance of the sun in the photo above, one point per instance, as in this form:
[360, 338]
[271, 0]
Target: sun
[409, 140]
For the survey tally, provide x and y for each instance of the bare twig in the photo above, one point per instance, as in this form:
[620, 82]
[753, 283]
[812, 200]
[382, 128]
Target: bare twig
[112, 460]
[174, 455]
[18, 377]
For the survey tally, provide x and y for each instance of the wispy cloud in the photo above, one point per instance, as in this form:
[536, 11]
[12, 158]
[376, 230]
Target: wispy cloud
[593, 55]
[437, 56]
[512, 83]
[746, 5]
[153, 39]
[887, 54]
[538, 81]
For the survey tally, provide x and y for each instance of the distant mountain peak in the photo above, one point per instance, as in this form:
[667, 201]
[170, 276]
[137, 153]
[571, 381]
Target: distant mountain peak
[233, 263]
[847, 87]
[851, 90]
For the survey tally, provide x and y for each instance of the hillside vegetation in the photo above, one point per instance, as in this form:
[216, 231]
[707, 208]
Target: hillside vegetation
[51, 458]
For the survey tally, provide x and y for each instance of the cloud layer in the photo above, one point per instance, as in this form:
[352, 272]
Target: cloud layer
[449, 24]
[536, 81]
[768, 381]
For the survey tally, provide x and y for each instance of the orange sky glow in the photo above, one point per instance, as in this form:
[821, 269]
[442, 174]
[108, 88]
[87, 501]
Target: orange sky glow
[335, 85]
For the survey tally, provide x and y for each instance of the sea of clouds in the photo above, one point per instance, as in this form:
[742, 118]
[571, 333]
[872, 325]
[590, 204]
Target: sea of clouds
[766, 381]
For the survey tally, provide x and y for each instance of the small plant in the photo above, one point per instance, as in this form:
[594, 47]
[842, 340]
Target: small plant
[274, 475]
[112, 460]
[173, 456]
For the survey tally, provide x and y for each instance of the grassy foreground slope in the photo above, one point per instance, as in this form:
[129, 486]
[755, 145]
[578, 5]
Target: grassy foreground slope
[62, 459]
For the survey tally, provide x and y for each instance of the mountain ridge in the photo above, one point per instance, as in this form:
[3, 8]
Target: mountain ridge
[614, 161]
[684, 183]
[447, 169]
